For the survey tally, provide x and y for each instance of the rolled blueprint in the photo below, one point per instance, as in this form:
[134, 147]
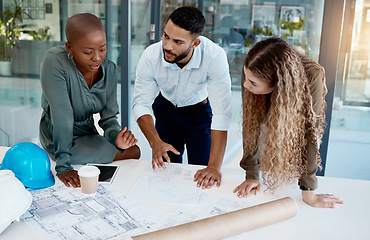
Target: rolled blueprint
[228, 224]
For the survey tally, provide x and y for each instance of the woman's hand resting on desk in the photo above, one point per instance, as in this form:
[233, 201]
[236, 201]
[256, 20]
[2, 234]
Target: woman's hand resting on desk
[125, 139]
[70, 178]
[320, 200]
[246, 187]
[309, 197]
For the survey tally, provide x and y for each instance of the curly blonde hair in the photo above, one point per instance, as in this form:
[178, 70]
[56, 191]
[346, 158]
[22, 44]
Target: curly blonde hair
[287, 111]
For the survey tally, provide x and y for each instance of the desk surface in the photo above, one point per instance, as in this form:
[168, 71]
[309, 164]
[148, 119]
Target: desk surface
[348, 221]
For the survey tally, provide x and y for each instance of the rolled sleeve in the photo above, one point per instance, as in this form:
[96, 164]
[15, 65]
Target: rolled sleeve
[220, 122]
[140, 110]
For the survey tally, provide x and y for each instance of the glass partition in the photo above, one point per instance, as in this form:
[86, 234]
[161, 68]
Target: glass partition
[349, 139]
[238, 25]
[140, 31]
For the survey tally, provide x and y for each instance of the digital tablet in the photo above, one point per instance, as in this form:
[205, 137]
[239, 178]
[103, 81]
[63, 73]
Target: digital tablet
[107, 172]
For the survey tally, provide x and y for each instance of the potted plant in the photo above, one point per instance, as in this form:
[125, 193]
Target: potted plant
[42, 34]
[10, 19]
[292, 30]
[292, 26]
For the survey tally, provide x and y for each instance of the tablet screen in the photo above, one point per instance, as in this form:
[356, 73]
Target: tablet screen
[107, 172]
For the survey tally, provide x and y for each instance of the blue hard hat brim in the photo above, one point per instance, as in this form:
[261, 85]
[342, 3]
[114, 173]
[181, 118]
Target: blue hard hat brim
[34, 184]
[40, 183]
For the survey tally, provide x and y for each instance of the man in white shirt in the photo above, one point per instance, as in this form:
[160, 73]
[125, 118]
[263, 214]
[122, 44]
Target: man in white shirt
[194, 105]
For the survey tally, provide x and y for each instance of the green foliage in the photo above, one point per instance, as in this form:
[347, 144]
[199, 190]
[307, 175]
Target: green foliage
[248, 42]
[264, 31]
[296, 39]
[42, 34]
[291, 26]
[10, 19]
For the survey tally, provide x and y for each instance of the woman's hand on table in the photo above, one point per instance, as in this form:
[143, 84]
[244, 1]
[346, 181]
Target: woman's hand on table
[70, 178]
[321, 200]
[247, 186]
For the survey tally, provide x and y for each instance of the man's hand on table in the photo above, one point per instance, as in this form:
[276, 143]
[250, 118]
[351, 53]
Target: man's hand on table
[70, 178]
[206, 177]
[159, 151]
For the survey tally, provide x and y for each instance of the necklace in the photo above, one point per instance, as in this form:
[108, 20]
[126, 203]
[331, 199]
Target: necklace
[91, 80]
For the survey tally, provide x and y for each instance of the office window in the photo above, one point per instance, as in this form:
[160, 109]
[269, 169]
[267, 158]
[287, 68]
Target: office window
[33, 9]
[350, 130]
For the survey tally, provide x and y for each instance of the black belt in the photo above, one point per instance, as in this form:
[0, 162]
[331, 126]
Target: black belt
[185, 108]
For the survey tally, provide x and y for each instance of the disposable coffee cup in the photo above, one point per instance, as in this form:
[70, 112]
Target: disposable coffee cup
[89, 176]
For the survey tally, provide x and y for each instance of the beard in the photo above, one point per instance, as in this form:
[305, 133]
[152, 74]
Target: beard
[179, 57]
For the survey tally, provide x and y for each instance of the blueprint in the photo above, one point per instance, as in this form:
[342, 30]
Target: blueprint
[175, 184]
[62, 212]
[171, 184]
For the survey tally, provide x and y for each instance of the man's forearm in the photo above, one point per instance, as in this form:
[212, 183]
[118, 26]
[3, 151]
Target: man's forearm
[218, 146]
[146, 125]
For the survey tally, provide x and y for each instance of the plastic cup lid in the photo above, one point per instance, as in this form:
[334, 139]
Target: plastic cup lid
[88, 171]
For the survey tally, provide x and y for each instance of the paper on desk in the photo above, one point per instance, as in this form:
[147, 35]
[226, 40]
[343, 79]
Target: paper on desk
[172, 184]
[60, 212]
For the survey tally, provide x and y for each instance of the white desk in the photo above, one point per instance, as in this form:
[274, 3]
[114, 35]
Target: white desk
[348, 221]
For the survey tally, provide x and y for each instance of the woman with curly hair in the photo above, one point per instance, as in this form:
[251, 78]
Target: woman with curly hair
[283, 118]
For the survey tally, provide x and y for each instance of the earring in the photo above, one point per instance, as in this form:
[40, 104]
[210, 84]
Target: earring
[70, 56]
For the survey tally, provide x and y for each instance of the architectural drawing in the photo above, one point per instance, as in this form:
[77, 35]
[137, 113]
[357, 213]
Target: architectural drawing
[172, 184]
[60, 212]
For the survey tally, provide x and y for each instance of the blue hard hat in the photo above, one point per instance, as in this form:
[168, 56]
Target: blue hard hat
[30, 164]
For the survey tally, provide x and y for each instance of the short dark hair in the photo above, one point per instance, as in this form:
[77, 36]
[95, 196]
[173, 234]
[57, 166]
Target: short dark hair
[81, 24]
[188, 18]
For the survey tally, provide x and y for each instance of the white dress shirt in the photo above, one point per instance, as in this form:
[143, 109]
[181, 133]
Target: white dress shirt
[205, 75]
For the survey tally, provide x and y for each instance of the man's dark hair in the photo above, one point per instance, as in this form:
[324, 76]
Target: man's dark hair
[188, 18]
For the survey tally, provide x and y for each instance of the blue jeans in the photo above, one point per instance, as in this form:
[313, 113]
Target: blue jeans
[190, 125]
